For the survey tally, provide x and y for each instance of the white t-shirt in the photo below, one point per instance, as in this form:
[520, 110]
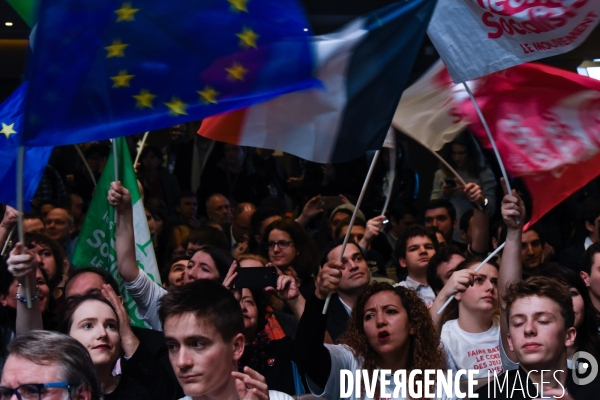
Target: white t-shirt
[343, 358]
[473, 350]
[273, 395]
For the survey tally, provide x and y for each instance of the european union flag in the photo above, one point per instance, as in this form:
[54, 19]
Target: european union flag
[108, 68]
[11, 124]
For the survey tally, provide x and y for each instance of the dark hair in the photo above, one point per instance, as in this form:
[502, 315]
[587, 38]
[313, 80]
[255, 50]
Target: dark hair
[6, 278]
[100, 149]
[73, 304]
[260, 300]
[208, 300]
[538, 228]
[442, 255]
[164, 273]
[332, 245]
[411, 232]
[152, 149]
[260, 215]
[587, 338]
[473, 159]
[184, 195]
[307, 260]
[35, 238]
[222, 259]
[442, 203]
[590, 210]
[207, 235]
[541, 286]
[465, 220]
[398, 210]
[74, 361]
[107, 278]
[587, 259]
[346, 222]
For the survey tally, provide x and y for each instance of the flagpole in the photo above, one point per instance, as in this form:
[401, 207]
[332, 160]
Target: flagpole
[87, 166]
[7, 240]
[139, 153]
[115, 163]
[20, 162]
[443, 307]
[354, 213]
[460, 179]
[392, 177]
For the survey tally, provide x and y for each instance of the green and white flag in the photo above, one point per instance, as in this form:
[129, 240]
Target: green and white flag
[96, 242]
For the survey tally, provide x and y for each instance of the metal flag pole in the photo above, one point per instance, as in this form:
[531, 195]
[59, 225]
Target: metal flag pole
[87, 166]
[20, 162]
[351, 224]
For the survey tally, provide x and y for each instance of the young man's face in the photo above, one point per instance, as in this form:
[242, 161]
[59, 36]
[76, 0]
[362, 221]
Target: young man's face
[531, 250]
[336, 219]
[537, 334]
[187, 207]
[446, 269]
[440, 218]
[201, 359]
[419, 250]
[356, 275]
[592, 280]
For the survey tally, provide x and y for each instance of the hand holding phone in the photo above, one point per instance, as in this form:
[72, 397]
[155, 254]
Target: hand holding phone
[261, 277]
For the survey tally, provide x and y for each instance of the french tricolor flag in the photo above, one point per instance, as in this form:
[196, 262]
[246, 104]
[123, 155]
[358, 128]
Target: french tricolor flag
[363, 68]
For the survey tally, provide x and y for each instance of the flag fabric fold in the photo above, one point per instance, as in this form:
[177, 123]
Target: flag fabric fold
[96, 242]
[11, 129]
[363, 67]
[479, 37]
[103, 69]
[545, 122]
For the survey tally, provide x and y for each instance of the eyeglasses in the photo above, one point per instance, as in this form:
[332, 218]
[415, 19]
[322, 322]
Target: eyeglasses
[282, 244]
[31, 391]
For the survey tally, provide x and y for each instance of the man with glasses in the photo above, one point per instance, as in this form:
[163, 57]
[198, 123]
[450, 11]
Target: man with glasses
[45, 365]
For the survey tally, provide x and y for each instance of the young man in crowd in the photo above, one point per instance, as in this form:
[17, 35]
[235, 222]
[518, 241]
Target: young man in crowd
[355, 278]
[414, 249]
[204, 331]
[590, 222]
[590, 273]
[442, 265]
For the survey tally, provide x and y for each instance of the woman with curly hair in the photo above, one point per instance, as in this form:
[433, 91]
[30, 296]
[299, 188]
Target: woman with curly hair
[389, 329]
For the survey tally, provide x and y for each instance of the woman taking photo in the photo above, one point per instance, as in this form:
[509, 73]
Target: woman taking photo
[287, 246]
[389, 329]
[93, 321]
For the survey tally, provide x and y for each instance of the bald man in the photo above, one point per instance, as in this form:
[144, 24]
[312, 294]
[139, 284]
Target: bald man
[218, 210]
[239, 233]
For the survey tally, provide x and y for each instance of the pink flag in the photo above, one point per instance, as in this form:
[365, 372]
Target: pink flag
[545, 121]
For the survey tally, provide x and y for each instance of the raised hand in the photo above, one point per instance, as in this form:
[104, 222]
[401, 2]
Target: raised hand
[328, 279]
[119, 197]
[251, 385]
[513, 209]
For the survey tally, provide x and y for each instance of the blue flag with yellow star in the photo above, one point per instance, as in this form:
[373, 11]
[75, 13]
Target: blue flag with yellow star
[11, 123]
[107, 68]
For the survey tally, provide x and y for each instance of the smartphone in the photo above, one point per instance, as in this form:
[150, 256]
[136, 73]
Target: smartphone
[256, 277]
[450, 182]
[330, 202]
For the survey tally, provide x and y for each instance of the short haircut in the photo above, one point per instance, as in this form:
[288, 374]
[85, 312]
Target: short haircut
[212, 196]
[74, 361]
[590, 210]
[542, 286]
[207, 235]
[442, 203]
[184, 195]
[222, 259]
[398, 210]
[107, 278]
[465, 220]
[207, 300]
[332, 245]
[346, 222]
[255, 257]
[442, 255]
[411, 232]
[73, 303]
[166, 270]
[587, 259]
[35, 238]
[537, 228]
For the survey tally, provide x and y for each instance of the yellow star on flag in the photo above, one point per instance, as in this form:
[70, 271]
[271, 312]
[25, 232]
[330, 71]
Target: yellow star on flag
[144, 99]
[121, 80]
[208, 95]
[248, 38]
[8, 130]
[236, 71]
[176, 107]
[126, 12]
[116, 49]
[238, 5]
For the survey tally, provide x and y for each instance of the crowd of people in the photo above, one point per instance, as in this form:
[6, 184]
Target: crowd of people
[216, 210]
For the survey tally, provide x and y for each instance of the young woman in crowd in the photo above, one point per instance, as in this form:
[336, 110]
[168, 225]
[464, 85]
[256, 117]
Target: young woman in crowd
[471, 322]
[93, 321]
[389, 328]
[291, 249]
